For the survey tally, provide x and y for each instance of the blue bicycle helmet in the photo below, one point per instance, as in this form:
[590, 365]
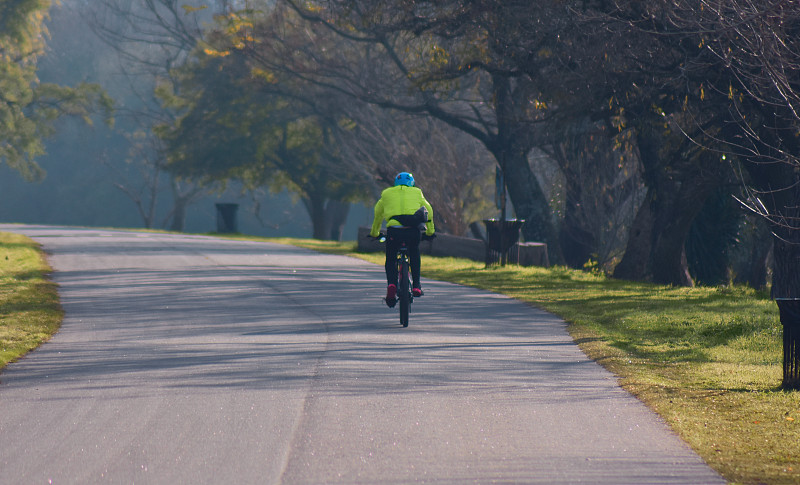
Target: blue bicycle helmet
[404, 178]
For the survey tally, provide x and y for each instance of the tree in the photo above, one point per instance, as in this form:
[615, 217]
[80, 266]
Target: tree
[362, 144]
[149, 39]
[29, 109]
[712, 237]
[240, 122]
[453, 168]
[619, 65]
[519, 75]
[753, 47]
[143, 187]
[680, 175]
[603, 188]
[427, 60]
[141, 179]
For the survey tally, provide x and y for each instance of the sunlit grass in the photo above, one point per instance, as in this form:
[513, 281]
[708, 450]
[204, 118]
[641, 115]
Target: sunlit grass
[29, 308]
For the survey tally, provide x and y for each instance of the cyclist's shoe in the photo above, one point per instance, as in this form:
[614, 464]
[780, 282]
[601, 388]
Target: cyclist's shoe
[417, 292]
[391, 296]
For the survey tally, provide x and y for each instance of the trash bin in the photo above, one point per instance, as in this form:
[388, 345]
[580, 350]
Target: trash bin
[226, 218]
[500, 238]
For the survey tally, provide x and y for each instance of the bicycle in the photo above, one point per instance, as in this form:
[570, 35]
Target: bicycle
[405, 295]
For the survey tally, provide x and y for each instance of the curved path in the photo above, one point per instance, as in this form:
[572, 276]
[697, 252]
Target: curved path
[190, 359]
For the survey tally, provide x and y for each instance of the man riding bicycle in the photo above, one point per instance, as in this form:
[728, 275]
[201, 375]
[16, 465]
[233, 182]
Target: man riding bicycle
[405, 209]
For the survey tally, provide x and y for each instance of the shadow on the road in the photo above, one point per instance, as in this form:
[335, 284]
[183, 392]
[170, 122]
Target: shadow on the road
[260, 316]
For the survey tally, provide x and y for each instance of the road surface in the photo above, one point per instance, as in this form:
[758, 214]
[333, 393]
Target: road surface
[191, 359]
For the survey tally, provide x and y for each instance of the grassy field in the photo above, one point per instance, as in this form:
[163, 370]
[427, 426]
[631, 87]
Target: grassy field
[706, 359]
[29, 309]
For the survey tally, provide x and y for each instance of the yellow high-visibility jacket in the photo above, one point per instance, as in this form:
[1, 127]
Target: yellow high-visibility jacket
[400, 200]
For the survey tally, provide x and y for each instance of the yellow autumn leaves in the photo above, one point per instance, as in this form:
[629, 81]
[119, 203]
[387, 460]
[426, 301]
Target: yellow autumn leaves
[238, 30]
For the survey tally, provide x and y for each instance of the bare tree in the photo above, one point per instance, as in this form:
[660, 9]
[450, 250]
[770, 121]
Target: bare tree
[603, 188]
[407, 60]
[150, 38]
[452, 167]
[142, 187]
[751, 67]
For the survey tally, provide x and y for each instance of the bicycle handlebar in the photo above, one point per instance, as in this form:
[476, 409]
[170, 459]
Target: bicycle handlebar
[381, 237]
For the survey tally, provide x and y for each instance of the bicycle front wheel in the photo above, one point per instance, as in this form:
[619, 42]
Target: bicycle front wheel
[405, 293]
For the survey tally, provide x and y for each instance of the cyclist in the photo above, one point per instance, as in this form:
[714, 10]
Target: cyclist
[406, 212]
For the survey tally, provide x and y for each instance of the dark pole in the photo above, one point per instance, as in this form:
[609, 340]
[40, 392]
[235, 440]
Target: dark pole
[790, 318]
[503, 211]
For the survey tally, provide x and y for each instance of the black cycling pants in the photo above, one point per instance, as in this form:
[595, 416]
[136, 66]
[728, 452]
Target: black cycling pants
[395, 236]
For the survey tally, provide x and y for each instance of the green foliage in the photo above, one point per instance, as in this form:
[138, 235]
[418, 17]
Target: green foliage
[21, 28]
[237, 119]
[21, 33]
[29, 109]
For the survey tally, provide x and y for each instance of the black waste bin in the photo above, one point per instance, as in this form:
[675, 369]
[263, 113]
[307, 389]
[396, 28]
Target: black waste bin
[226, 218]
[500, 238]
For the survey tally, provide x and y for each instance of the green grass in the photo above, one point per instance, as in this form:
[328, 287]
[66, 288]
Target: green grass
[708, 360]
[29, 308]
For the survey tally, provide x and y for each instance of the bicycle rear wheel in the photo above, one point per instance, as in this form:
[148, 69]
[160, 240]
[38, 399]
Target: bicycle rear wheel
[405, 292]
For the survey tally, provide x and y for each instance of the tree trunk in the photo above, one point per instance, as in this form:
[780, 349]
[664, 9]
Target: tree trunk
[758, 265]
[656, 247]
[336, 214]
[328, 217]
[601, 178]
[529, 201]
[678, 185]
[510, 148]
[315, 206]
[676, 206]
[576, 242]
[668, 263]
[178, 217]
[635, 262]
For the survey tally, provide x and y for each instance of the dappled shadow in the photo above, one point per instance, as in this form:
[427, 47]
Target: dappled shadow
[287, 364]
[713, 319]
[265, 316]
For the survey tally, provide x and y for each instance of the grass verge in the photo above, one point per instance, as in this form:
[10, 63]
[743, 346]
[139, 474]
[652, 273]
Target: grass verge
[708, 360]
[29, 308]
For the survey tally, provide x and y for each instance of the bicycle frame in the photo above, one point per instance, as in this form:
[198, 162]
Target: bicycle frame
[404, 293]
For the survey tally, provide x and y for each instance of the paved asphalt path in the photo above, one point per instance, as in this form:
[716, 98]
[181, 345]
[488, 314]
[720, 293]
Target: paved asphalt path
[190, 359]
